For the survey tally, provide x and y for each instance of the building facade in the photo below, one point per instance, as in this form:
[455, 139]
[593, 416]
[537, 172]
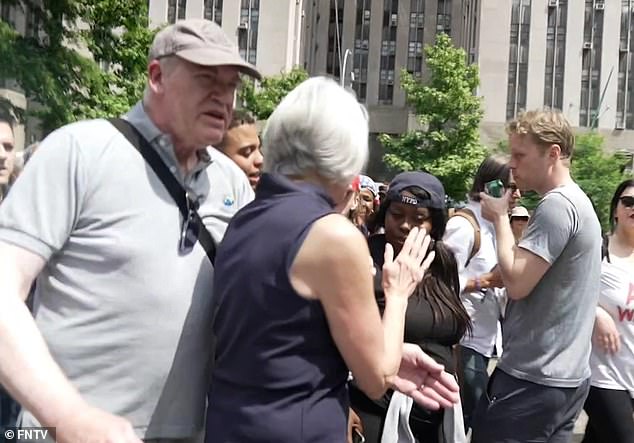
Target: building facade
[268, 32]
[575, 56]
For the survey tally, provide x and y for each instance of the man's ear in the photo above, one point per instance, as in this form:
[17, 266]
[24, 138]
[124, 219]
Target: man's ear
[155, 77]
[554, 151]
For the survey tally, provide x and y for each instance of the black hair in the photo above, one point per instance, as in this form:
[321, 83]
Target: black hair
[494, 167]
[440, 286]
[615, 200]
[240, 117]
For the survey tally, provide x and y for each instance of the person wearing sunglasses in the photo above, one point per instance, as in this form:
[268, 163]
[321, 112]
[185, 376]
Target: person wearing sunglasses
[472, 240]
[120, 346]
[293, 285]
[610, 402]
[551, 276]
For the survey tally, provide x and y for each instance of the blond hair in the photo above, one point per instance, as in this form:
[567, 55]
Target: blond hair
[546, 127]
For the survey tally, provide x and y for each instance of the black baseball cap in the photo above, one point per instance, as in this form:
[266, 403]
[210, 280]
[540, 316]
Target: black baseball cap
[422, 180]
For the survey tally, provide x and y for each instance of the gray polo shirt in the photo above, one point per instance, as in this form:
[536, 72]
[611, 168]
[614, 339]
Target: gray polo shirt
[546, 335]
[125, 315]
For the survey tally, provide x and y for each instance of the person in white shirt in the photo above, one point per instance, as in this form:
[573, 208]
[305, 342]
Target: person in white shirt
[477, 260]
[610, 403]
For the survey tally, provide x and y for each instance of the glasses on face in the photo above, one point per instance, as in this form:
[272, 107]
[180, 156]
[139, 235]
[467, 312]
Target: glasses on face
[627, 201]
[190, 228]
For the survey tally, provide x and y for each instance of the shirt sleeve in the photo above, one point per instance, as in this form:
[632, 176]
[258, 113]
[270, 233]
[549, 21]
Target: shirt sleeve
[550, 228]
[44, 203]
[459, 238]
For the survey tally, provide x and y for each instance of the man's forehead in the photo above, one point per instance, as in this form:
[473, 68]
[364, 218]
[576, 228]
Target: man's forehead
[6, 133]
[246, 133]
[224, 70]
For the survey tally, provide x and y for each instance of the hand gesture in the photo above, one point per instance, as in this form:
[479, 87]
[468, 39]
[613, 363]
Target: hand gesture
[95, 426]
[421, 378]
[492, 279]
[403, 273]
[354, 425]
[605, 335]
[494, 208]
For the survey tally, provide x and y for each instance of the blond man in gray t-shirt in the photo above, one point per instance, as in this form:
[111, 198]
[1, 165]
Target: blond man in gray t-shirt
[552, 281]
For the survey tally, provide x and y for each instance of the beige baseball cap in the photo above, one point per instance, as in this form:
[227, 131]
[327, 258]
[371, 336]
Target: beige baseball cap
[519, 211]
[201, 42]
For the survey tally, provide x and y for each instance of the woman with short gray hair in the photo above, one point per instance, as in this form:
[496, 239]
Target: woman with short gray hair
[293, 288]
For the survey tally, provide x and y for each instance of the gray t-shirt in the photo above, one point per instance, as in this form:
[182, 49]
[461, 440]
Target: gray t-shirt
[124, 314]
[546, 335]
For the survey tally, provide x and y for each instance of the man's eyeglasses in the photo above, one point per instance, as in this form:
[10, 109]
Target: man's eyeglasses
[190, 228]
[627, 201]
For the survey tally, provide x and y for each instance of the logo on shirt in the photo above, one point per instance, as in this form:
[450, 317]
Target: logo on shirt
[624, 313]
[228, 200]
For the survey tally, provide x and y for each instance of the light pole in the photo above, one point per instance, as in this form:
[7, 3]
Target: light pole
[343, 67]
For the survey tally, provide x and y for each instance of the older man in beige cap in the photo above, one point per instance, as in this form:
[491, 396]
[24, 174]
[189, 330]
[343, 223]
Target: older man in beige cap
[119, 350]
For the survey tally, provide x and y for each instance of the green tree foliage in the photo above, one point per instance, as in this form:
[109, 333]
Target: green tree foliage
[446, 107]
[262, 99]
[596, 171]
[86, 59]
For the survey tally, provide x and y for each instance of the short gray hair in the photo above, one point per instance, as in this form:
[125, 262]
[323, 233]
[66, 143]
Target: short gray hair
[318, 127]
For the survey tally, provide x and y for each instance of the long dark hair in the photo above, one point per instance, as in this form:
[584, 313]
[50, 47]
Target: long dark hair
[492, 168]
[440, 286]
[615, 200]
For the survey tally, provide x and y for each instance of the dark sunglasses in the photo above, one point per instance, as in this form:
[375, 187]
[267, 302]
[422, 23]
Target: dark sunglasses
[627, 201]
[190, 228]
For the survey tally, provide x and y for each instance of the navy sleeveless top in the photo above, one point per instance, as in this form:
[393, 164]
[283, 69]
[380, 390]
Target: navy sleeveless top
[278, 376]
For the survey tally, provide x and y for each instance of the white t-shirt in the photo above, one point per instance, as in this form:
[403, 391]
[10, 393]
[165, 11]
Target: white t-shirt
[484, 308]
[616, 371]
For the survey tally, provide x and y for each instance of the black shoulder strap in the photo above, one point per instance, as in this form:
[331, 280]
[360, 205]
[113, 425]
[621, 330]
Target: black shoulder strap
[167, 178]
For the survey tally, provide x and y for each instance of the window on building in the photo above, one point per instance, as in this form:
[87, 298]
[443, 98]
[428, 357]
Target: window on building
[443, 17]
[555, 55]
[248, 29]
[335, 29]
[625, 83]
[388, 52]
[213, 11]
[182, 7]
[415, 39]
[32, 22]
[589, 107]
[361, 49]
[7, 13]
[171, 11]
[518, 58]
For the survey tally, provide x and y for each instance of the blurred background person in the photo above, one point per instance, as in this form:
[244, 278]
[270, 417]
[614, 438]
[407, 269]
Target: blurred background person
[519, 221]
[241, 144]
[9, 408]
[367, 201]
[7, 155]
[610, 402]
[287, 334]
[435, 318]
[472, 240]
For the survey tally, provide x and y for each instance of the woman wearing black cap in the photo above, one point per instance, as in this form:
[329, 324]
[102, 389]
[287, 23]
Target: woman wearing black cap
[435, 318]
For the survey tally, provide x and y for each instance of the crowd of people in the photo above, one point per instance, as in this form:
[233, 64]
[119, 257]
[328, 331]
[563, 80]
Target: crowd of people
[264, 290]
